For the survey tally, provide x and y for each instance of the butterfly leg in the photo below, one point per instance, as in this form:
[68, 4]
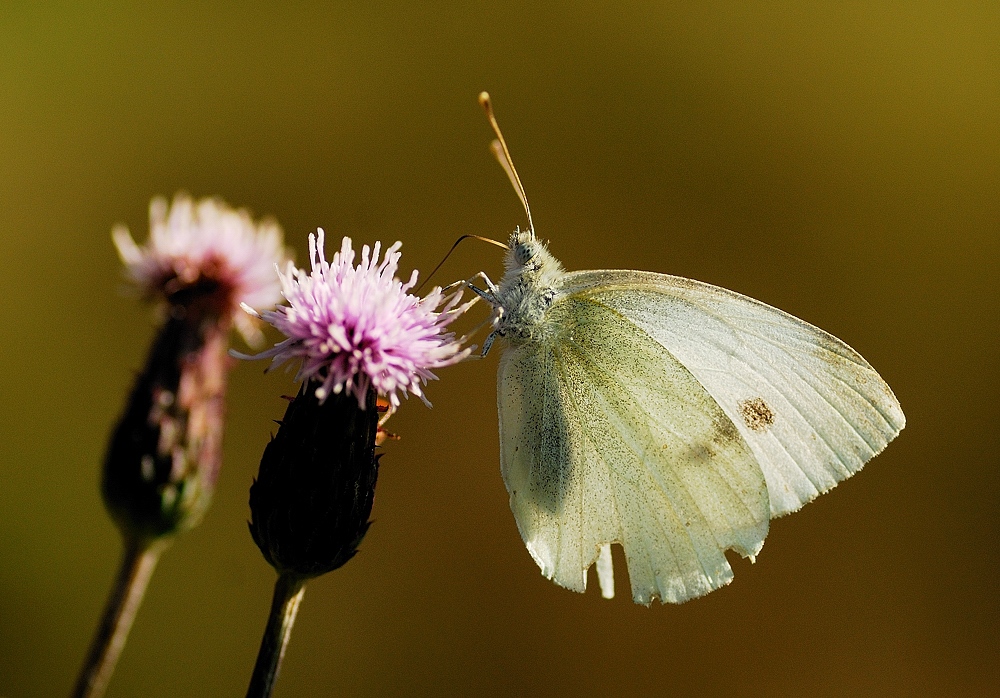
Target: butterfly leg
[490, 294]
[454, 284]
[493, 321]
[489, 341]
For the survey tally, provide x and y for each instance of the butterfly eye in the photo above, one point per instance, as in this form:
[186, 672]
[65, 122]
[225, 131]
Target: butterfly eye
[523, 253]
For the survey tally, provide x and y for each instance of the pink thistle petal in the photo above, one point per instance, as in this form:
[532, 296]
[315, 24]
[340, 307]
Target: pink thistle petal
[207, 241]
[352, 327]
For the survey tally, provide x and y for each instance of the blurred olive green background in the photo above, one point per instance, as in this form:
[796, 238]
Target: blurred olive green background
[838, 160]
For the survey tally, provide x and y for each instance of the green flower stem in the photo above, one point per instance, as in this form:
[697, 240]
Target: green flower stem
[138, 562]
[288, 591]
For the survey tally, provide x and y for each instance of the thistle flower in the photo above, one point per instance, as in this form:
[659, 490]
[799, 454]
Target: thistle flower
[358, 327]
[359, 334]
[201, 262]
[210, 249]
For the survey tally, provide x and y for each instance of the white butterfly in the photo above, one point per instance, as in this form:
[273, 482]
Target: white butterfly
[672, 417]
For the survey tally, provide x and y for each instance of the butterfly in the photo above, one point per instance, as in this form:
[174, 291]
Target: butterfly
[669, 416]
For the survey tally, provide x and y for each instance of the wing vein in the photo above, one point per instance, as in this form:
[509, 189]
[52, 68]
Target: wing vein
[653, 472]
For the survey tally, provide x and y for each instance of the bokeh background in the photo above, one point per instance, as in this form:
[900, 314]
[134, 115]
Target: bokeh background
[839, 160]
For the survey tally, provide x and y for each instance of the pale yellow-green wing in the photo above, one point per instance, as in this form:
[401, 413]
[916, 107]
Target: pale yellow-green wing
[811, 408]
[607, 438]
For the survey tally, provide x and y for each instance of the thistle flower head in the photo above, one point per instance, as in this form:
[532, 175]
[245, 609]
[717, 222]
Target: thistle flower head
[209, 248]
[356, 327]
[202, 260]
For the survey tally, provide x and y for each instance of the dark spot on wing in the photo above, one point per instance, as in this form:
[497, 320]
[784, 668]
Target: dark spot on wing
[756, 414]
[724, 436]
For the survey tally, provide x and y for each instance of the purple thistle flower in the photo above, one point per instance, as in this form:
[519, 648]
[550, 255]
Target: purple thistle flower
[201, 261]
[207, 246]
[355, 327]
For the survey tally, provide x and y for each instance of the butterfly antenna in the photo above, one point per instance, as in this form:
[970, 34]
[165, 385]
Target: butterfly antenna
[502, 154]
[445, 259]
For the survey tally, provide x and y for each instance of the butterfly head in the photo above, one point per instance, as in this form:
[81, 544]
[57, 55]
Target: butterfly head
[523, 247]
[530, 270]
[527, 255]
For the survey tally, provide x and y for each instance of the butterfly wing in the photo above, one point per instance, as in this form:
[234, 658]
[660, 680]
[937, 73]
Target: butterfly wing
[607, 438]
[811, 408]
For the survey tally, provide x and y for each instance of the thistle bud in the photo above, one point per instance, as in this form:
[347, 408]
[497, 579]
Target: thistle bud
[310, 503]
[164, 455]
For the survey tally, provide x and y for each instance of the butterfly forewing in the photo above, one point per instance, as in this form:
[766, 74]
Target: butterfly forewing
[607, 437]
[811, 408]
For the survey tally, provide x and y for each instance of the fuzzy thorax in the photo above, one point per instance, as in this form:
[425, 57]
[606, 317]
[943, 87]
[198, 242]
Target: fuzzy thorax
[528, 287]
